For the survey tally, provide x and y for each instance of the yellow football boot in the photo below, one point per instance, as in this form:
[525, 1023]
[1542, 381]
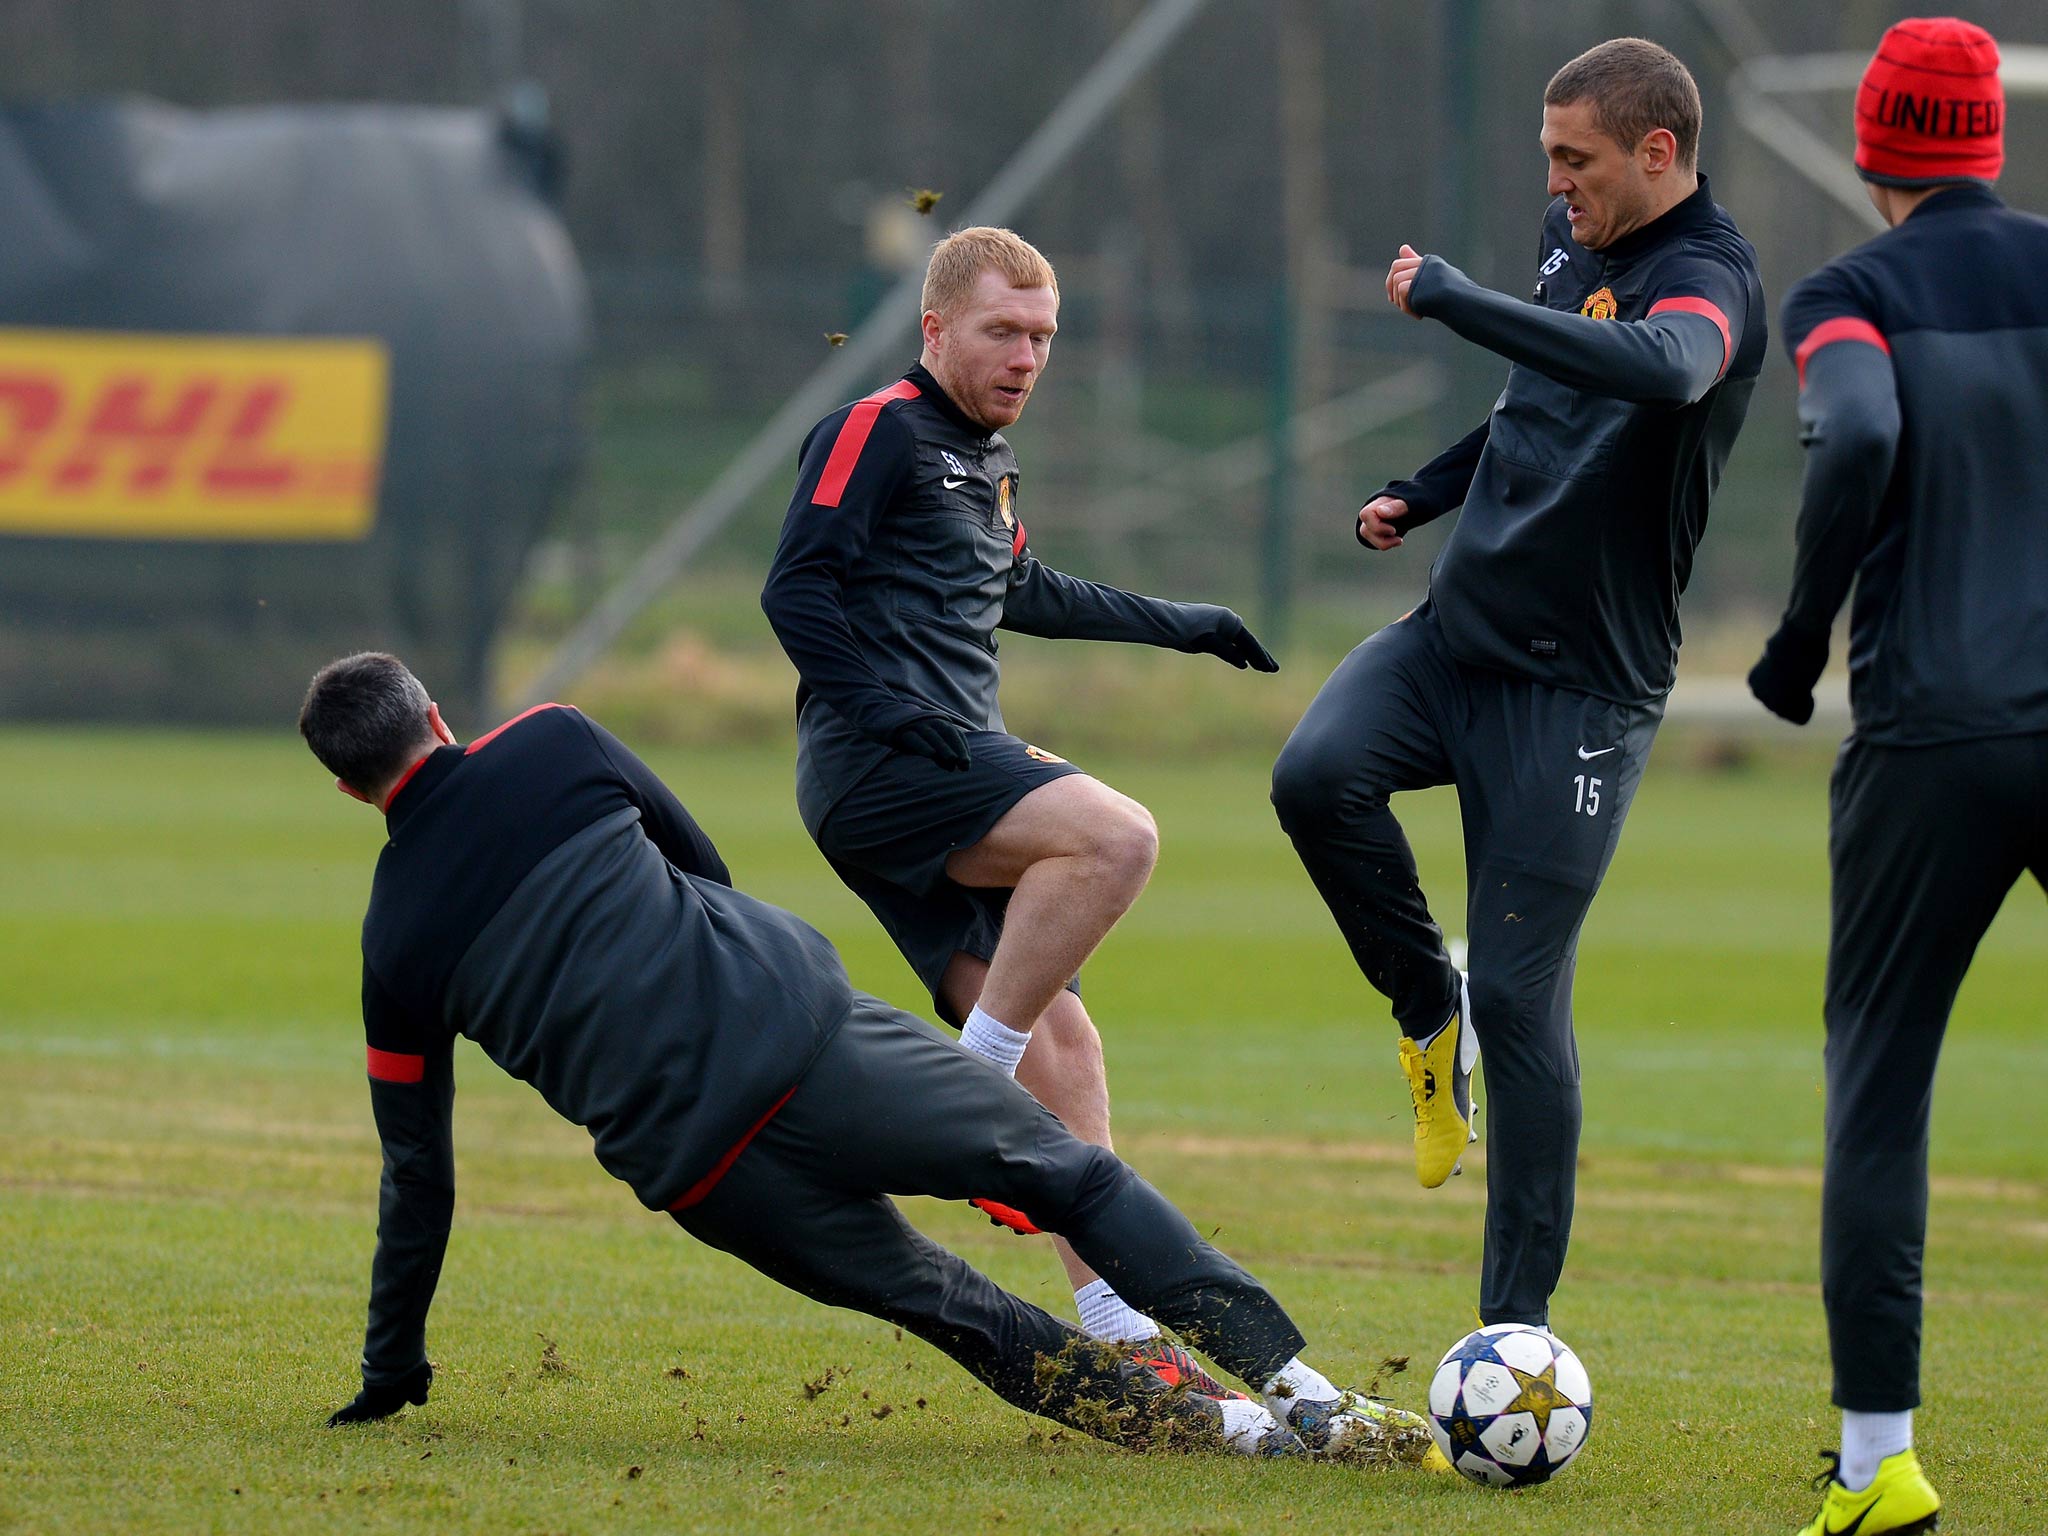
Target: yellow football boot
[1899, 1500]
[1440, 1083]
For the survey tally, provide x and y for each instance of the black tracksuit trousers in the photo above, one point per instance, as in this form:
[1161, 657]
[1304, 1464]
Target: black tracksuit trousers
[1545, 776]
[892, 1106]
[1924, 845]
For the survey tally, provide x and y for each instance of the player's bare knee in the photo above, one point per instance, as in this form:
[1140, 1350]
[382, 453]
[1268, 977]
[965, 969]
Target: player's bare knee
[1126, 848]
[1135, 844]
[1122, 844]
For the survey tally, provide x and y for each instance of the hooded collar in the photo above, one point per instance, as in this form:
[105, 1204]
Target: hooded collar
[1680, 219]
[934, 391]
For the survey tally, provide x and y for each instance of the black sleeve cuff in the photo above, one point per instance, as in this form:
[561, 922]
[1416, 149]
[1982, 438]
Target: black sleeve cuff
[1783, 678]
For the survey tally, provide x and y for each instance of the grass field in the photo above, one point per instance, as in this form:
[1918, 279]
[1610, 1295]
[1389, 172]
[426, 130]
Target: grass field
[188, 1171]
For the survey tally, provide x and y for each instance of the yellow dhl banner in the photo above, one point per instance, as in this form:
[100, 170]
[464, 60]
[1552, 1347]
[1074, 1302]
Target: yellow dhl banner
[117, 435]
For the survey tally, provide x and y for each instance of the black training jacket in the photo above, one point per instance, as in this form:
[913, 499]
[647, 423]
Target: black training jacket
[901, 556]
[1585, 492]
[545, 895]
[1923, 369]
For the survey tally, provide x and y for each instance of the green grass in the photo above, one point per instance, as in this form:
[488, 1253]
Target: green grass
[187, 1188]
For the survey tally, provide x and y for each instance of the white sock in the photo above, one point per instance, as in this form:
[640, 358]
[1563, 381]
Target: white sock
[1107, 1316]
[994, 1042]
[1245, 1424]
[1867, 1438]
[1295, 1382]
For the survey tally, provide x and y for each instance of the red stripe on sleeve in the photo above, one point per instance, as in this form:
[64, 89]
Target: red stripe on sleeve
[490, 736]
[723, 1166]
[853, 436]
[1841, 328]
[396, 1066]
[1707, 307]
[1017, 544]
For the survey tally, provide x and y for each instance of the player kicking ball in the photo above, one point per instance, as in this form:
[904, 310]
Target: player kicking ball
[997, 867]
[544, 894]
[1534, 675]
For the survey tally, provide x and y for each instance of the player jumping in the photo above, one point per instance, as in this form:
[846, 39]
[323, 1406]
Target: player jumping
[997, 867]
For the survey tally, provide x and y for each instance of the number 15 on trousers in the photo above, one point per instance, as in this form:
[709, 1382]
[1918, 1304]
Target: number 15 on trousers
[1586, 800]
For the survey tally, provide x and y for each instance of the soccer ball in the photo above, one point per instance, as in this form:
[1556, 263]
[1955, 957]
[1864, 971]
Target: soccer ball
[1510, 1405]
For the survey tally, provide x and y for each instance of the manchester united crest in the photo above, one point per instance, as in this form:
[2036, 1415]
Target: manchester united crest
[1003, 501]
[1601, 305]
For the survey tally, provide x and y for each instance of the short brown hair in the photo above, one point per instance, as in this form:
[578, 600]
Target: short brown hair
[960, 259]
[1634, 86]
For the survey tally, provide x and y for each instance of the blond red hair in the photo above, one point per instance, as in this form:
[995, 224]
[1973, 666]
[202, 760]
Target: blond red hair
[959, 260]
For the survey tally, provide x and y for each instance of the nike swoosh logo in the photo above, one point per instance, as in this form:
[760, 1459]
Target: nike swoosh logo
[1587, 757]
[954, 485]
[1854, 1525]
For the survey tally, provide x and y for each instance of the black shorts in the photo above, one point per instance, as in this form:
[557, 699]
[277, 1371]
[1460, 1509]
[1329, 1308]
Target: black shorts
[888, 836]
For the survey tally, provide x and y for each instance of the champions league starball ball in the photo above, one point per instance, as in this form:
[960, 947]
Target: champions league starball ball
[1510, 1405]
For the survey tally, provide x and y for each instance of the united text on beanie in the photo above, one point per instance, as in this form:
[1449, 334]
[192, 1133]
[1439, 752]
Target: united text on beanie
[1931, 107]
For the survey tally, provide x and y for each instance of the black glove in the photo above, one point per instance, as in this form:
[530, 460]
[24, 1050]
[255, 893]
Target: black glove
[1229, 638]
[935, 737]
[373, 1403]
[1792, 662]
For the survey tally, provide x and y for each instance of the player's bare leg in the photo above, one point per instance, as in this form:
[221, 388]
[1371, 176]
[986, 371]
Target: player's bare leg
[1062, 1069]
[1074, 855]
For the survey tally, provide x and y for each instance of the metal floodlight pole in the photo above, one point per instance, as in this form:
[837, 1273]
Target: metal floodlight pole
[1069, 123]
[1759, 74]
[1750, 92]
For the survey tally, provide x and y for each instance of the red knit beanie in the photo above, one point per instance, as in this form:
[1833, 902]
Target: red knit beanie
[1931, 108]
